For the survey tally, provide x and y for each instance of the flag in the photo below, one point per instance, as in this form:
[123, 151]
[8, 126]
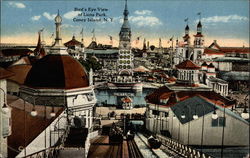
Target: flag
[41, 30]
[186, 19]
[111, 39]
[137, 40]
[199, 13]
[52, 35]
[171, 39]
[81, 32]
[93, 31]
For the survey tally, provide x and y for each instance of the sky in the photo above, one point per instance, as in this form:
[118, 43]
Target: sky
[226, 21]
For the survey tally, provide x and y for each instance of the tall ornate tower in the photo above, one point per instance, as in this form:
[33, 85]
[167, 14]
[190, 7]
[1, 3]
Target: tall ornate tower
[186, 38]
[198, 43]
[58, 22]
[198, 38]
[125, 60]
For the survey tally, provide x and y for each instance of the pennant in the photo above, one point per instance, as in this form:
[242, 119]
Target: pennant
[137, 40]
[52, 35]
[81, 32]
[111, 39]
[41, 30]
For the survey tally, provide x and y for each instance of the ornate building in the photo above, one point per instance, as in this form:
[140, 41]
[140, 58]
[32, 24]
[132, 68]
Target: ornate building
[125, 60]
[59, 89]
[125, 78]
[184, 50]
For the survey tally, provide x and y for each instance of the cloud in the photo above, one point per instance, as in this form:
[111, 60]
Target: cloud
[143, 12]
[71, 14]
[49, 16]
[145, 21]
[141, 21]
[224, 19]
[36, 17]
[17, 4]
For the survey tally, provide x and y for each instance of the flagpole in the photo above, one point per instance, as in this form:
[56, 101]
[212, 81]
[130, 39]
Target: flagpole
[172, 51]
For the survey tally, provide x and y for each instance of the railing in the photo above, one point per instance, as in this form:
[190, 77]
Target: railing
[51, 152]
[182, 150]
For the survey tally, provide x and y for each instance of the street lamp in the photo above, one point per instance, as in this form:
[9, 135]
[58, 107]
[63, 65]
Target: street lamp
[215, 116]
[195, 116]
[33, 112]
[52, 113]
[245, 114]
[4, 107]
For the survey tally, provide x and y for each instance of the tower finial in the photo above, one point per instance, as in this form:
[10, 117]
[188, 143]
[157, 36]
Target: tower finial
[58, 12]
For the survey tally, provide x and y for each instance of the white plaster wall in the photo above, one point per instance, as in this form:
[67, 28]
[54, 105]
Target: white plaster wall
[40, 143]
[225, 66]
[236, 132]
[12, 87]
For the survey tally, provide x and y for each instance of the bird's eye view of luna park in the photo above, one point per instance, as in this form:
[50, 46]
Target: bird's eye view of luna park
[137, 60]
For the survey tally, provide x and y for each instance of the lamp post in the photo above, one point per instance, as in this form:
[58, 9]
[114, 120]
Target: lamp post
[215, 116]
[4, 107]
[183, 117]
[245, 114]
[32, 113]
[195, 116]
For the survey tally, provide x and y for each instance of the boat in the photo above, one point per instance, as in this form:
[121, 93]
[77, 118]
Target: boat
[130, 135]
[154, 143]
[115, 134]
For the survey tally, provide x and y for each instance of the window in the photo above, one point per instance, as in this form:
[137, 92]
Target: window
[165, 114]
[155, 112]
[219, 122]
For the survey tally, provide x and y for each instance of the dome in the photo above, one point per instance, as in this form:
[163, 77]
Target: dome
[210, 65]
[199, 24]
[57, 72]
[187, 27]
[58, 18]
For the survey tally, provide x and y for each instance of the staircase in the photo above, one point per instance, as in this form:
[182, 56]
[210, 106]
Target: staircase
[74, 145]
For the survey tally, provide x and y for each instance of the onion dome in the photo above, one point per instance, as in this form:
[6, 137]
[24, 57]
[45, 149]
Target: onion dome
[58, 18]
[204, 64]
[57, 71]
[187, 64]
[210, 65]
[199, 24]
[73, 42]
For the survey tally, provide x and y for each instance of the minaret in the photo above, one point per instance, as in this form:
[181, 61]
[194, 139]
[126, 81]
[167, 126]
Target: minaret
[125, 60]
[58, 22]
[198, 38]
[58, 47]
[186, 38]
[125, 33]
[144, 45]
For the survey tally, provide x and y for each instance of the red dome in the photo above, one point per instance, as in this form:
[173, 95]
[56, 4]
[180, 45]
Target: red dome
[57, 72]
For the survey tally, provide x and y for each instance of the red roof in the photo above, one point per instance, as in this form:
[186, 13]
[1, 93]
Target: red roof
[127, 100]
[198, 35]
[164, 93]
[187, 64]
[72, 42]
[5, 73]
[215, 48]
[20, 71]
[34, 125]
[186, 36]
[57, 72]
[211, 51]
[236, 49]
